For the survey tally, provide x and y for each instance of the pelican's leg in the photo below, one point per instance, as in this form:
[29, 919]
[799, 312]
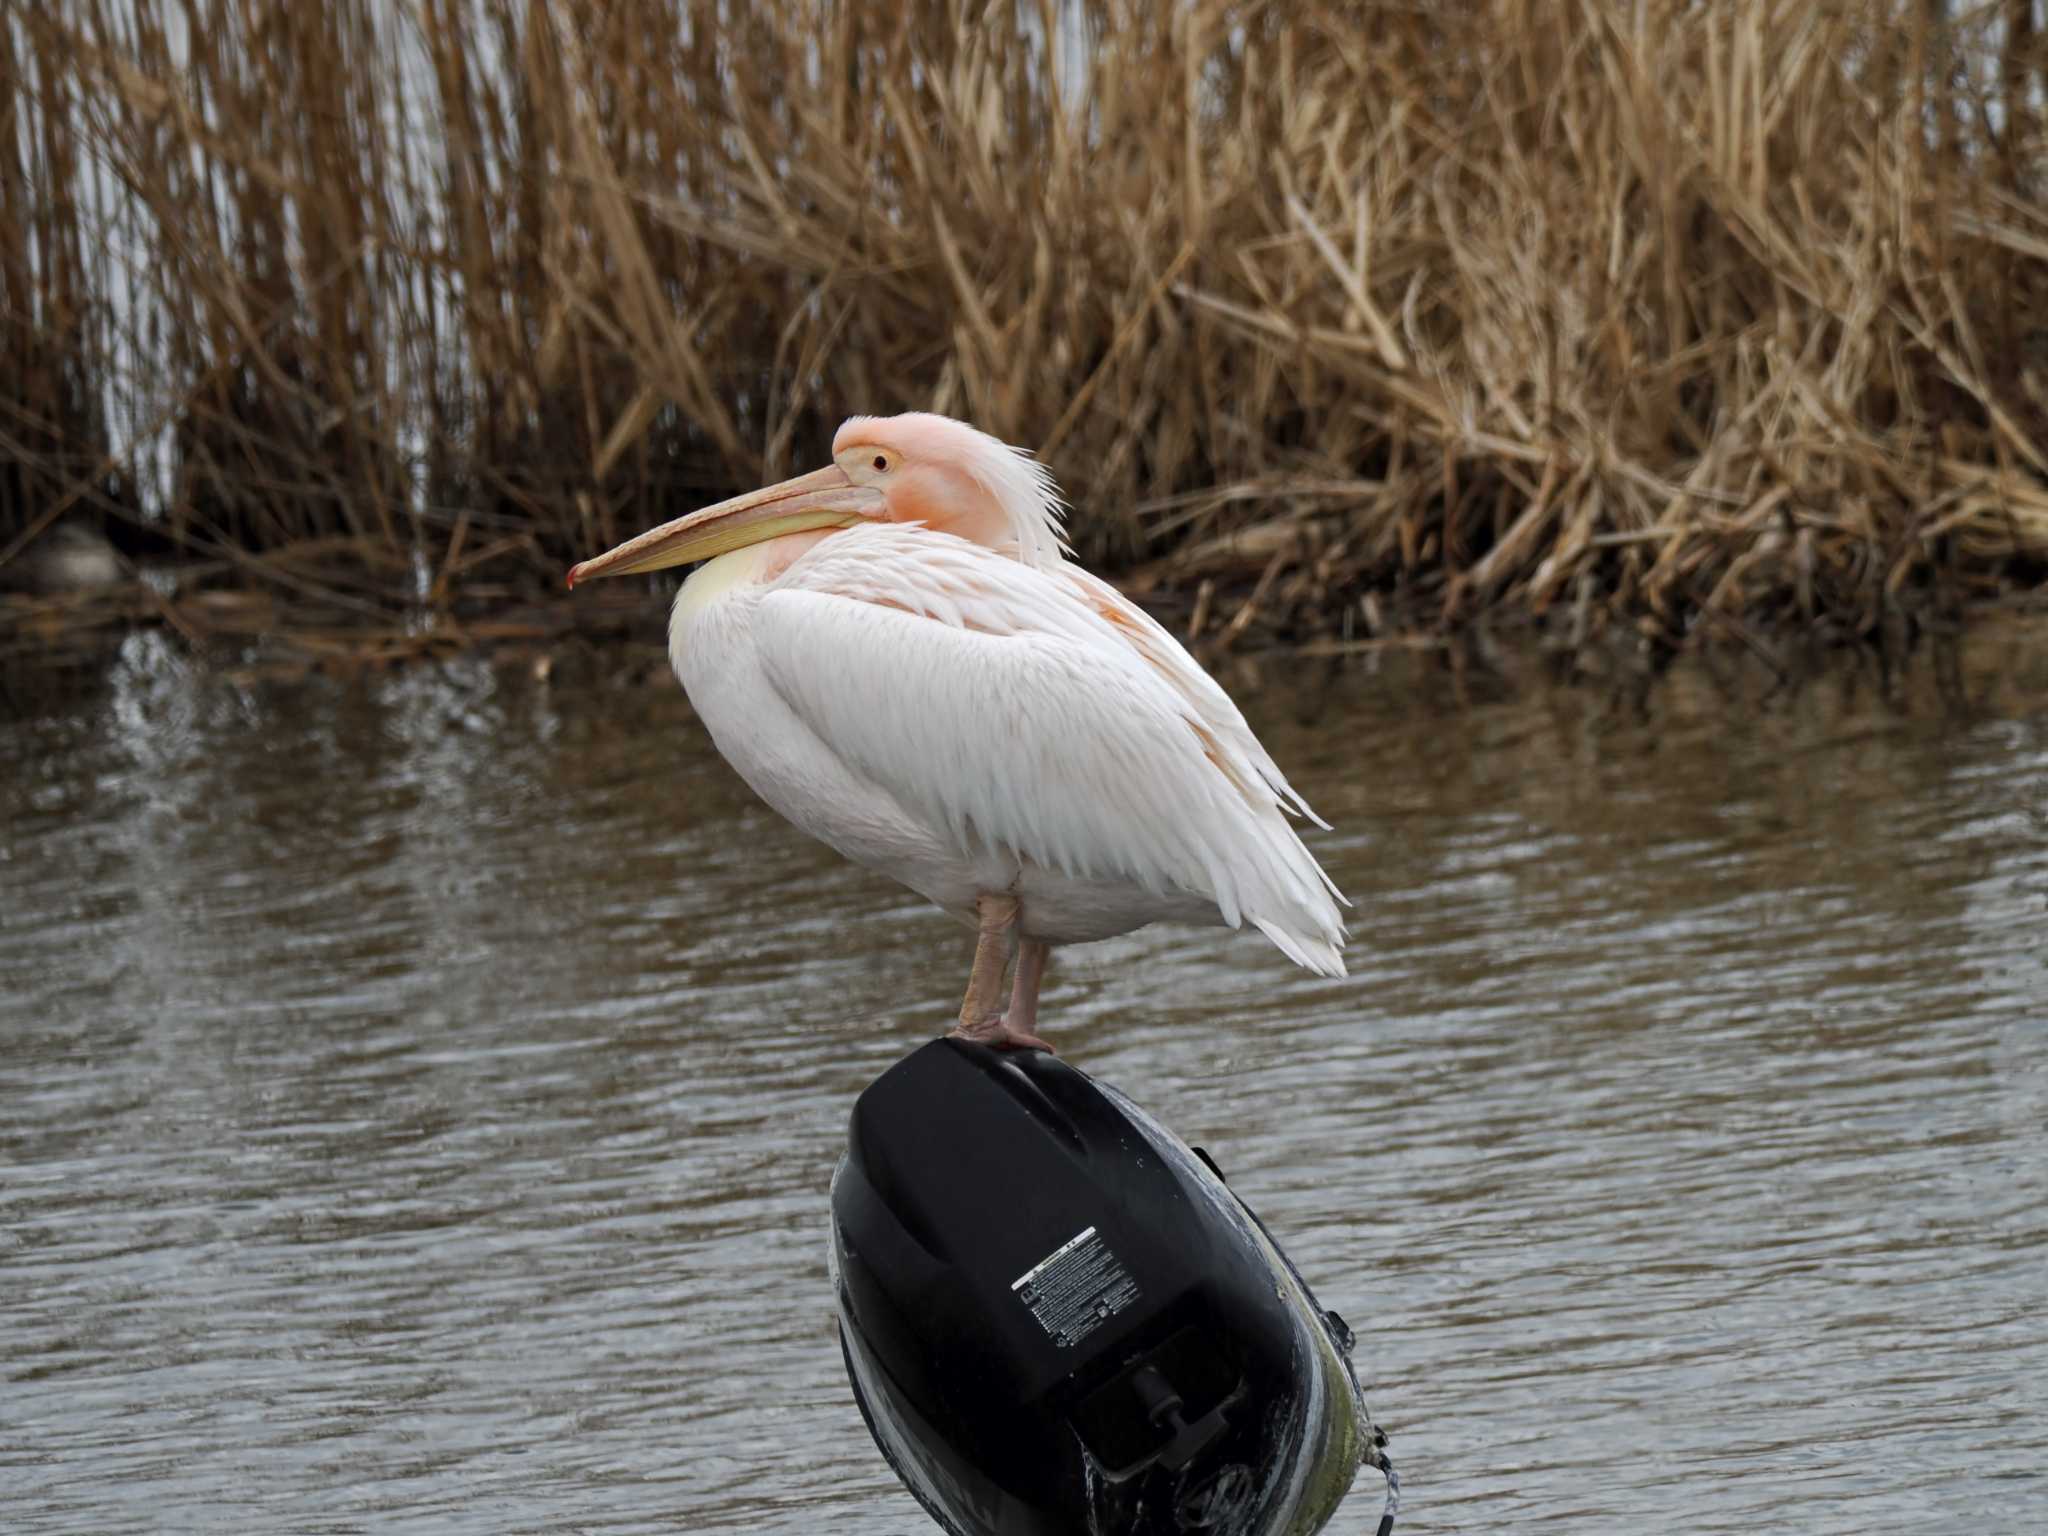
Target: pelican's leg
[997, 914]
[979, 1020]
[1022, 1018]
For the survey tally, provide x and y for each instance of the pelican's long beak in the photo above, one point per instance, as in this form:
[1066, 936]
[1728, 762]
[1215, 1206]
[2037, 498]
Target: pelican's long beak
[824, 498]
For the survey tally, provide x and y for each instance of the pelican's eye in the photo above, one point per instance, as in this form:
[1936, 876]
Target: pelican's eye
[881, 462]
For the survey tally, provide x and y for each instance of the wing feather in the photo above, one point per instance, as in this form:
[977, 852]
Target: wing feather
[997, 702]
[1167, 656]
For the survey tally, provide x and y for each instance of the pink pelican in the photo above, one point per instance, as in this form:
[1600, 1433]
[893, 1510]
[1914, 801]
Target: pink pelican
[897, 654]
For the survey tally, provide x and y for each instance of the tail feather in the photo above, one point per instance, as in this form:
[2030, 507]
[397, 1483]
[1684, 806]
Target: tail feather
[1318, 955]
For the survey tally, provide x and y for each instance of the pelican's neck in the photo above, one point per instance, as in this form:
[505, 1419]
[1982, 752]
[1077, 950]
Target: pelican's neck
[752, 565]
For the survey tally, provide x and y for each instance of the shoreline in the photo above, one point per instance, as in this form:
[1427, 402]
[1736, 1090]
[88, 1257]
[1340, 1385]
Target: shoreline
[295, 625]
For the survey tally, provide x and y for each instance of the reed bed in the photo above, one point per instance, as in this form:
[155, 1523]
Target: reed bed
[1335, 321]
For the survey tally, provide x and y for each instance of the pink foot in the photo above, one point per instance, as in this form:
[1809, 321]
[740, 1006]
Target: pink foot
[997, 1034]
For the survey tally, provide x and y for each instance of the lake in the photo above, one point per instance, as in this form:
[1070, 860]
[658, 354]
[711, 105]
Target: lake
[418, 1094]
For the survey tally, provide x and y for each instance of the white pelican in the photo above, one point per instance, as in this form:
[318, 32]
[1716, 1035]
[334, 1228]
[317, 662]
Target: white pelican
[896, 655]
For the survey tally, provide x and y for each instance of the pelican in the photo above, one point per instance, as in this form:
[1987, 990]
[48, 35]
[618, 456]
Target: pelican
[896, 652]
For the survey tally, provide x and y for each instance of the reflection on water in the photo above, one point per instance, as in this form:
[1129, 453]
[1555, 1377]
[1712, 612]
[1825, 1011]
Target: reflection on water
[419, 1096]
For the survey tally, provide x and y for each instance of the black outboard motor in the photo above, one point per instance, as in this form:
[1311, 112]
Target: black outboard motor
[1058, 1320]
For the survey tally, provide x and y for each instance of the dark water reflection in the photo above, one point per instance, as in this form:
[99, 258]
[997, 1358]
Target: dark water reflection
[417, 1098]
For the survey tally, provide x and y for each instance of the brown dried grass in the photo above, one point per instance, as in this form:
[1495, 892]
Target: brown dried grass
[1331, 317]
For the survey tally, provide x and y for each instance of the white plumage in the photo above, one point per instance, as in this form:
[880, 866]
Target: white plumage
[916, 676]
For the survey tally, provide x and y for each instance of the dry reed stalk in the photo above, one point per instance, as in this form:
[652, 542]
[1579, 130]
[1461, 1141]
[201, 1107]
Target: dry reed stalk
[1695, 317]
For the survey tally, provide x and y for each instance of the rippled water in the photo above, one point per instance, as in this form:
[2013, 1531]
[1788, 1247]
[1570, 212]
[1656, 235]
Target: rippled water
[417, 1097]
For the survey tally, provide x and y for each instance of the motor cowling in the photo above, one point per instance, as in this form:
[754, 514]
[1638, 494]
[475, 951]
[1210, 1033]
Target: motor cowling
[1058, 1319]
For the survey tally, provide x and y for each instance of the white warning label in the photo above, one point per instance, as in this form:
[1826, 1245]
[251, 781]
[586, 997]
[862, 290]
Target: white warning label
[1076, 1288]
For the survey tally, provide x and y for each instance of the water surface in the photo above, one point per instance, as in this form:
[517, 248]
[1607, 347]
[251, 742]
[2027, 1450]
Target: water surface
[418, 1094]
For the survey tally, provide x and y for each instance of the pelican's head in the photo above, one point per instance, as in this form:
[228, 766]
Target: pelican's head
[914, 468]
